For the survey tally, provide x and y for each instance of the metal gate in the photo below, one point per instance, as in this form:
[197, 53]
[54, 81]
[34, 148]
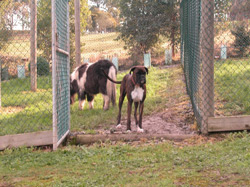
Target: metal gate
[60, 70]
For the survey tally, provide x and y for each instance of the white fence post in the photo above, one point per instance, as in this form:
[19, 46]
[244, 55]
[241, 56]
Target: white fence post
[115, 62]
[147, 60]
[168, 57]
[223, 52]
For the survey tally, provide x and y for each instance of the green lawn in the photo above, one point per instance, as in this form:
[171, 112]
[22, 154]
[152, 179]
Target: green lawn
[207, 163]
[96, 44]
[232, 86]
[23, 110]
[158, 81]
[26, 111]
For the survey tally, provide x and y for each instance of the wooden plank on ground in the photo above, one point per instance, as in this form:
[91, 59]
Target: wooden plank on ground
[232, 123]
[26, 139]
[89, 139]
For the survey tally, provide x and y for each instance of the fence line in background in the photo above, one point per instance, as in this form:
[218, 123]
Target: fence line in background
[215, 48]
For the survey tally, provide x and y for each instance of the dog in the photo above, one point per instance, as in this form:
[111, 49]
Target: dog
[88, 79]
[134, 86]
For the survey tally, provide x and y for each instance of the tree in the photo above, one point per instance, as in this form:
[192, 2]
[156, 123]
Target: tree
[84, 16]
[102, 20]
[222, 9]
[98, 3]
[173, 29]
[106, 3]
[242, 39]
[104, 15]
[44, 27]
[240, 10]
[144, 21]
[5, 25]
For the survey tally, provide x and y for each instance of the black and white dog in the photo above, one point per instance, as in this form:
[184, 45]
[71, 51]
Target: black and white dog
[89, 80]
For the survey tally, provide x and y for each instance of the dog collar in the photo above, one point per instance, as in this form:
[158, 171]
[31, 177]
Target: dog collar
[133, 80]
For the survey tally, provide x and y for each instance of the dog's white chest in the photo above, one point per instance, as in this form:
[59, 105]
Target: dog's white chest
[137, 94]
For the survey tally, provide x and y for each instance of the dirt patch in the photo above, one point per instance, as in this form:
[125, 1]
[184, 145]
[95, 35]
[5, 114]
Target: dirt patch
[11, 109]
[167, 122]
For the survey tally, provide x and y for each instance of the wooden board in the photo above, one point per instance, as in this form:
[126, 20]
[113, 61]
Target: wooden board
[26, 139]
[89, 139]
[234, 123]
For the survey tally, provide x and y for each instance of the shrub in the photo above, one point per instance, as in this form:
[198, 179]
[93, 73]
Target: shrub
[242, 39]
[42, 66]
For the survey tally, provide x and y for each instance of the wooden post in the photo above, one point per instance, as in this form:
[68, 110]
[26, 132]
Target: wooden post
[0, 83]
[54, 81]
[77, 32]
[33, 44]
[207, 57]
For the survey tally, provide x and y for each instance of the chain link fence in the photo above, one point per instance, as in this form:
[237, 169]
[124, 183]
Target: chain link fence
[26, 80]
[34, 84]
[61, 69]
[215, 48]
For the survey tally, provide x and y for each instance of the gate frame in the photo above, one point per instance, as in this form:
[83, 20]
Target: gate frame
[42, 138]
[56, 141]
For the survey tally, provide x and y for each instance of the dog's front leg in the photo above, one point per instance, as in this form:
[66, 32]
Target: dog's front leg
[129, 115]
[140, 117]
[135, 113]
[121, 99]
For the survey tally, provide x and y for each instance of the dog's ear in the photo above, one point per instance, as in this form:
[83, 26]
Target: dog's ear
[132, 69]
[146, 69]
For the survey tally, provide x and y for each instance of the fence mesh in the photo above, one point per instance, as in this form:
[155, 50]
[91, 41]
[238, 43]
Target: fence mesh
[215, 54]
[62, 67]
[23, 109]
[190, 54]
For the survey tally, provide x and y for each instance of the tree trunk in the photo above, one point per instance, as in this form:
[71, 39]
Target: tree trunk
[173, 35]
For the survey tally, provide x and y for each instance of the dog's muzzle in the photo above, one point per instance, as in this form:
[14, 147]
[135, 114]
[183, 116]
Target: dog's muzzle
[141, 79]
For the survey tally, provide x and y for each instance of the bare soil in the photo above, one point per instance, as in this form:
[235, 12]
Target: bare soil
[170, 121]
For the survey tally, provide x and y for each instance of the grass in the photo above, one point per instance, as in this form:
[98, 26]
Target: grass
[89, 120]
[17, 47]
[207, 163]
[92, 45]
[232, 86]
[23, 110]
[96, 44]
[26, 111]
